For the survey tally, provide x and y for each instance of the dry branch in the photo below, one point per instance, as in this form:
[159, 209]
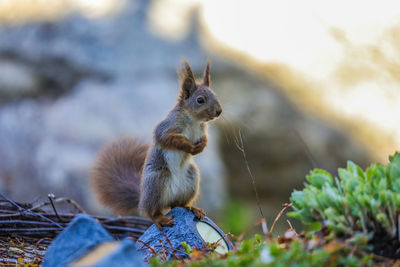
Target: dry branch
[26, 231]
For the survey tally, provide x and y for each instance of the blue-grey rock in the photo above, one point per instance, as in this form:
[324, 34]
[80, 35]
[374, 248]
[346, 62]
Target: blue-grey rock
[125, 255]
[184, 230]
[81, 236]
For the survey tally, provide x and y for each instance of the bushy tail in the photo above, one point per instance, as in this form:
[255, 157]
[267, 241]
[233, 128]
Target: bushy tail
[117, 173]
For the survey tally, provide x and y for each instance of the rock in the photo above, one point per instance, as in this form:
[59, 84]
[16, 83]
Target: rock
[80, 242]
[48, 77]
[185, 229]
[16, 79]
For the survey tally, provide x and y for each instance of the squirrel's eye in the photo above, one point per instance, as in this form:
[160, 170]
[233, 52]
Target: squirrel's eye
[200, 100]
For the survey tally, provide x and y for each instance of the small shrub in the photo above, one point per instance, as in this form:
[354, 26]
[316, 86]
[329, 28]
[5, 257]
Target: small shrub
[358, 202]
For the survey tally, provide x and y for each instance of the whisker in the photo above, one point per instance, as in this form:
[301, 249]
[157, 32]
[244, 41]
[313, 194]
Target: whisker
[224, 131]
[233, 128]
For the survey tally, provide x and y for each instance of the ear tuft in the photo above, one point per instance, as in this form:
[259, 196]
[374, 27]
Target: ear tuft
[187, 80]
[187, 83]
[206, 76]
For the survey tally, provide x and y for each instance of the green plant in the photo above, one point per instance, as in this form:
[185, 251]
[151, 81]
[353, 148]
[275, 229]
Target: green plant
[293, 251]
[365, 202]
[352, 212]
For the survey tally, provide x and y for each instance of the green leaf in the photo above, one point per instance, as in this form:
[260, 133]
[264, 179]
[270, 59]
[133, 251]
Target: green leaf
[319, 178]
[313, 227]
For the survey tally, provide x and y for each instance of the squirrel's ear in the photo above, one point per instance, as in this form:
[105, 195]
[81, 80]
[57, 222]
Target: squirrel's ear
[206, 76]
[188, 87]
[188, 83]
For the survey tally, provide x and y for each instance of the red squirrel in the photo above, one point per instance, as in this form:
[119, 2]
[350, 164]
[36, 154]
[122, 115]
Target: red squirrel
[129, 175]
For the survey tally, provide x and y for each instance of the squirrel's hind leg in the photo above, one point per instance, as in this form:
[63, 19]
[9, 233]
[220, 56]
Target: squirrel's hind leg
[198, 212]
[193, 175]
[161, 220]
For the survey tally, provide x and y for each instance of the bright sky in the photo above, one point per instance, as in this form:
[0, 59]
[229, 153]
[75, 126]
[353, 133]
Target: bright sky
[339, 59]
[27, 10]
[345, 52]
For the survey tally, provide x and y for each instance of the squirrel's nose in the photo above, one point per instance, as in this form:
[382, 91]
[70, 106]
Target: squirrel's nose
[218, 112]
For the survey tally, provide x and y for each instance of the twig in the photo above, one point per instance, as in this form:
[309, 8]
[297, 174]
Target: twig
[37, 245]
[306, 149]
[242, 234]
[24, 222]
[35, 229]
[33, 225]
[36, 199]
[285, 206]
[241, 148]
[28, 211]
[173, 249]
[73, 203]
[290, 225]
[122, 229]
[163, 250]
[144, 243]
[168, 240]
[58, 200]
[216, 243]
[51, 196]
[12, 202]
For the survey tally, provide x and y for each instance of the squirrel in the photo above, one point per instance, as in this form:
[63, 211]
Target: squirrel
[130, 175]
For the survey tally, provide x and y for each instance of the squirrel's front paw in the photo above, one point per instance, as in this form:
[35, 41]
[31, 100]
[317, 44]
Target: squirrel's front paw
[198, 212]
[199, 146]
[196, 149]
[163, 220]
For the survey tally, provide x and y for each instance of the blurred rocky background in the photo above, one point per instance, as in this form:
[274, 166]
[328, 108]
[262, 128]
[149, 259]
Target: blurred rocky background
[73, 77]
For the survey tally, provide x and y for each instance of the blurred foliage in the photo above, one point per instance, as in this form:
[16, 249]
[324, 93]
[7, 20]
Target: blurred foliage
[236, 217]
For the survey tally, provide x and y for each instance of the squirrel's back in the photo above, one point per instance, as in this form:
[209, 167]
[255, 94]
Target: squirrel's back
[117, 174]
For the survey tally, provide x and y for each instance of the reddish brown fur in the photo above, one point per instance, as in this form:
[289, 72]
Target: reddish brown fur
[117, 173]
[160, 220]
[176, 141]
[179, 142]
[199, 212]
[200, 145]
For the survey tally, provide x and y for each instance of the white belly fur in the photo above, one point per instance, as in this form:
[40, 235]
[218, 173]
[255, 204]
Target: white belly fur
[178, 164]
[178, 183]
